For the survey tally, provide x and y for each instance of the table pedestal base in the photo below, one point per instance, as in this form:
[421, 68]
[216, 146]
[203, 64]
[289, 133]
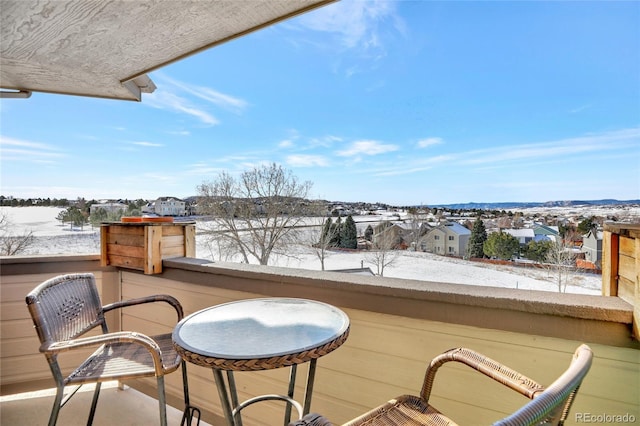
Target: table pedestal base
[232, 408]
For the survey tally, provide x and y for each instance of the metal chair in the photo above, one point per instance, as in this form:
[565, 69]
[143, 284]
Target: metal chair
[548, 406]
[66, 307]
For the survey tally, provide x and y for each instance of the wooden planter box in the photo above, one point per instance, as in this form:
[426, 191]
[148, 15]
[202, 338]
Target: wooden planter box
[621, 265]
[143, 245]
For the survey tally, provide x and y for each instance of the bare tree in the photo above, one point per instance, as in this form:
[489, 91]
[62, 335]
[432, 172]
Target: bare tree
[561, 262]
[505, 222]
[220, 249]
[383, 253]
[321, 238]
[11, 244]
[414, 231]
[257, 213]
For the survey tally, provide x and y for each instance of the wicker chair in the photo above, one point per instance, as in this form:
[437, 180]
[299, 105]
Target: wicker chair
[66, 307]
[547, 406]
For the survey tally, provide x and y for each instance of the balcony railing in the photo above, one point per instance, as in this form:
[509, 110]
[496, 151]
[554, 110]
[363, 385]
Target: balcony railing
[397, 326]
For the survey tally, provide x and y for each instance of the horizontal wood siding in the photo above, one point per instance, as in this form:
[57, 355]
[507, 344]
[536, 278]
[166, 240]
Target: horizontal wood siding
[20, 360]
[142, 247]
[621, 265]
[386, 355]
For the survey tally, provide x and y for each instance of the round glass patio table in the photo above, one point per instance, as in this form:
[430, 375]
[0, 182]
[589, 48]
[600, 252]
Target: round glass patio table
[260, 334]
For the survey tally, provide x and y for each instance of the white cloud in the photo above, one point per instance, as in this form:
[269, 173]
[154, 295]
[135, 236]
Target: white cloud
[226, 101]
[285, 144]
[580, 108]
[307, 161]
[208, 94]
[149, 144]
[6, 141]
[172, 102]
[177, 96]
[424, 143]
[324, 141]
[23, 150]
[203, 169]
[367, 147]
[539, 154]
[355, 33]
[417, 166]
[626, 138]
[354, 22]
[406, 171]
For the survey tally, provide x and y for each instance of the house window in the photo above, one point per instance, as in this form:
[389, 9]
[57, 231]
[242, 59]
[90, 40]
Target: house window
[451, 250]
[451, 237]
[436, 237]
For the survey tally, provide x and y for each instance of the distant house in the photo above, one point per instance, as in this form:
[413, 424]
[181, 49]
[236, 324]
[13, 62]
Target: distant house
[149, 208]
[524, 236]
[166, 206]
[592, 247]
[447, 239]
[545, 232]
[108, 207]
[414, 233]
[388, 235]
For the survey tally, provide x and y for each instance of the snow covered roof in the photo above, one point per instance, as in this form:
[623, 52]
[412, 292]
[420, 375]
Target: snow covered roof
[457, 228]
[520, 233]
[546, 229]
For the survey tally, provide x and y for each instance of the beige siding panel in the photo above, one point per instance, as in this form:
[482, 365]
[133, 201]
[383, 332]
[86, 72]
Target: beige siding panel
[386, 356]
[156, 312]
[19, 347]
[28, 367]
[193, 297]
[34, 367]
[20, 358]
[17, 329]
[14, 310]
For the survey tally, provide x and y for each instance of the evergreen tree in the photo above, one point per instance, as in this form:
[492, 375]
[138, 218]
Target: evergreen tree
[501, 245]
[62, 216]
[98, 216]
[349, 234]
[477, 239]
[588, 225]
[335, 233]
[538, 250]
[368, 233]
[325, 237]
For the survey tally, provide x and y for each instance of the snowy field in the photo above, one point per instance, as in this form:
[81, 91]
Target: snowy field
[51, 237]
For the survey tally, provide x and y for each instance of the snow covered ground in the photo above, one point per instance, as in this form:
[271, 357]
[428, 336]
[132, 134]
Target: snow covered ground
[51, 237]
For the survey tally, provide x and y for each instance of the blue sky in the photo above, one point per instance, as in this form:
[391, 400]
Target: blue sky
[409, 102]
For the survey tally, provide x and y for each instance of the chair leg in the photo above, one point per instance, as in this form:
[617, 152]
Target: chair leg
[94, 404]
[162, 401]
[55, 410]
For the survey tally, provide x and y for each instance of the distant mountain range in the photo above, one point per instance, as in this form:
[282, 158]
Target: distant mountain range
[515, 205]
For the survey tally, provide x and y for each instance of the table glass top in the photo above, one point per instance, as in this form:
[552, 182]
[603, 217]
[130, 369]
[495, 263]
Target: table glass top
[260, 328]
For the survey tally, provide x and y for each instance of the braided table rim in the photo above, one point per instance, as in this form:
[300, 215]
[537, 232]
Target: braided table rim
[262, 363]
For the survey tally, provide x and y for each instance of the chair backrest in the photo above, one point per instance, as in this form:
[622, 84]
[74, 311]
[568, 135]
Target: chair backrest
[65, 307]
[551, 406]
